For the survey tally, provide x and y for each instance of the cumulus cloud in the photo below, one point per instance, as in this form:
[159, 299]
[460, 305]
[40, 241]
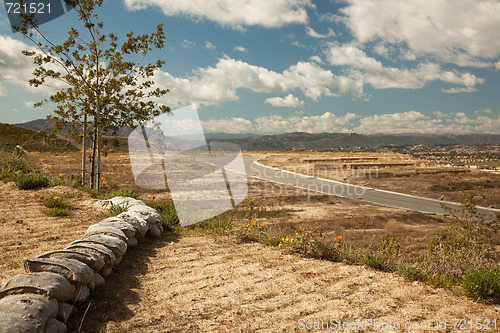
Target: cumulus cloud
[14, 67]
[369, 70]
[236, 14]
[241, 49]
[402, 122]
[17, 69]
[310, 32]
[289, 101]
[463, 32]
[217, 85]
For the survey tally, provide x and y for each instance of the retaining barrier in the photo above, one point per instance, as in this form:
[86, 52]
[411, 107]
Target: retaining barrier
[58, 281]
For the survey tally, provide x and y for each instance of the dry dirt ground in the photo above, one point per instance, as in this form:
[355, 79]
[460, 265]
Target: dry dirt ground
[200, 283]
[421, 178]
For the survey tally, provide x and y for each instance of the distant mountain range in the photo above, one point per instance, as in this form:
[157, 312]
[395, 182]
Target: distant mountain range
[319, 141]
[331, 141]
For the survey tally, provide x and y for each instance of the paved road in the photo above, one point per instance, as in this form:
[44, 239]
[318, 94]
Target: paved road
[386, 198]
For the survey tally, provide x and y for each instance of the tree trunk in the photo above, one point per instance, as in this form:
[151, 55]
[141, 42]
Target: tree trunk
[84, 146]
[94, 148]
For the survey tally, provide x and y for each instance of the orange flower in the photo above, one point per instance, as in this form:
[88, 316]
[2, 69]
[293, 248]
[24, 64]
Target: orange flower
[39, 199]
[339, 239]
[253, 223]
[55, 198]
[60, 175]
[261, 225]
[153, 196]
[340, 244]
[299, 228]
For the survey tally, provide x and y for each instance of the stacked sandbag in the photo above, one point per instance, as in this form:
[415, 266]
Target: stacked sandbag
[58, 281]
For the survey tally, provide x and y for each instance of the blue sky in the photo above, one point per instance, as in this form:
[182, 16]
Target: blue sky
[260, 66]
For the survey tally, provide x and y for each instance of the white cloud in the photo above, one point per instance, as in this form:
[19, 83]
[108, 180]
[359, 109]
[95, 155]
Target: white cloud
[241, 49]
[186, 44]
[369, 70]
[464, 32]
[289, 101]
[228, 125]
[14, 67]
[310, 32]
[236, 14]
[210, 46]
[403, 122]
[218, 85]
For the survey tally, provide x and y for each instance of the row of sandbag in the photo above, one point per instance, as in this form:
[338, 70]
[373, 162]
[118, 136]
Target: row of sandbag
[58, 281]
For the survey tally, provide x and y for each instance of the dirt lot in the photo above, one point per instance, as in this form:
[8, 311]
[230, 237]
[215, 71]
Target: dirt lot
[198, 283]
[394, 172]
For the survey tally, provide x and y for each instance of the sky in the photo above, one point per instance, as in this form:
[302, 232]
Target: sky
[261, 66]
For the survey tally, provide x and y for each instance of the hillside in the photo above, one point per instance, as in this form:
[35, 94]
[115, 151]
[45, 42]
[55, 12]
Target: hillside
[31, 140]
[333, 141]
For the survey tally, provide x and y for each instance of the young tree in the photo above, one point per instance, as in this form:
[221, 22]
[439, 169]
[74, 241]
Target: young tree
[100, 78]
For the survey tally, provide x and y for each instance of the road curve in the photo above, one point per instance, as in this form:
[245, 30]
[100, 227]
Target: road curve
[368, 194]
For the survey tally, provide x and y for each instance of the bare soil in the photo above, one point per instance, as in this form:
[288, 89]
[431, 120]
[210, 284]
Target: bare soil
[201, 283]
[420, 178]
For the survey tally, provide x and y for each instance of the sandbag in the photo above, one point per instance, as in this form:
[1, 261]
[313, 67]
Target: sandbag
[32, 307]
[154, 231]
[106, 271]
[90, 259]
[54, 326]
[97, 281]
[82, 293]
[50, 285]
[106, 230]
[105, 253]
[17, 323]
[73, 270]
[148, 213]
[132, 242]
[116, 245]
[65, 310]
[125, 227]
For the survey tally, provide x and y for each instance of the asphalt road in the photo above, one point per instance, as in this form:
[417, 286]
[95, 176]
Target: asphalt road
[386, 198]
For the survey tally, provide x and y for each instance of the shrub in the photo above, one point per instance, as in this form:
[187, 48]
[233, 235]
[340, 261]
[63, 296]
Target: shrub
[126, 192]
[10, 163]
[313, 245]
[116, 210]
[31, 181]
[56, 202]
[376, 260]
[57, 212]
[483, 284]
[168, 213]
